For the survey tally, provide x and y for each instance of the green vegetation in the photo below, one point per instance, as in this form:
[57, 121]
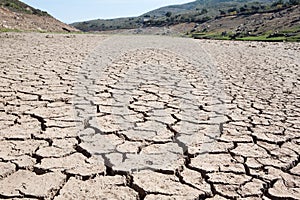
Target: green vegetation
[17, 6]
[288, 35]
[7, 30]
[4, 30]
[213, 36]
[263, 38]
[283, 36]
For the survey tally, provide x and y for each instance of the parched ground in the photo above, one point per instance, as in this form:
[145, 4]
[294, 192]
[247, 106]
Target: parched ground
[148, 117]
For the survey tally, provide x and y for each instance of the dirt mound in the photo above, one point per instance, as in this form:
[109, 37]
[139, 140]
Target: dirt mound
[10, 20]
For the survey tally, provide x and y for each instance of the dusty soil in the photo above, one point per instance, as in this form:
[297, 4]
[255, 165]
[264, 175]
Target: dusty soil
[27, 22]
[148, 117]
[174, 30]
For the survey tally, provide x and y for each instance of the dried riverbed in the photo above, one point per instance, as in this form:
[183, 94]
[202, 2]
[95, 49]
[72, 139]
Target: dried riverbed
[148, 117]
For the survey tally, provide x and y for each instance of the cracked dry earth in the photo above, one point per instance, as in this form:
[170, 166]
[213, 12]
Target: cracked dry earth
[149, 117]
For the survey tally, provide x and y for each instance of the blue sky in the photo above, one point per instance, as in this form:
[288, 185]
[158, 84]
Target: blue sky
[80, 10]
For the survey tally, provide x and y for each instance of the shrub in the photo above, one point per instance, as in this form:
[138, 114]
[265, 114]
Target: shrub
[222, 12]
[294, 2]
[168, 14]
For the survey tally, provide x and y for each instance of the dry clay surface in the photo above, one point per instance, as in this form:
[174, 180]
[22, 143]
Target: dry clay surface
[148, 117]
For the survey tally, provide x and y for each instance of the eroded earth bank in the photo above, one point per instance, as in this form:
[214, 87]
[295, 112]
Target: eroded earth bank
[148, 117]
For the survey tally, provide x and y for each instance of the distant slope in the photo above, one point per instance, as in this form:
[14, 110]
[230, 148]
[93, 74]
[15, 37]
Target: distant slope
[265, 20]
[280, 25]
[213, 6]
[198, 11]
[16, 15]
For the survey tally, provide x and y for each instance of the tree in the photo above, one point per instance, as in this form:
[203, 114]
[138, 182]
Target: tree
[255, 8]
[277, 3]
[203, 11]
[243, 9]
[169, 14]
[222, 12]
[230, 10]
[294, 2]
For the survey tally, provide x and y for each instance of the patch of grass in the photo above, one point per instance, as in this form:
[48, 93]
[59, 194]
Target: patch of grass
[213, 36]
[294, 38]
[263, 38]
[5, 30]
[291, 30]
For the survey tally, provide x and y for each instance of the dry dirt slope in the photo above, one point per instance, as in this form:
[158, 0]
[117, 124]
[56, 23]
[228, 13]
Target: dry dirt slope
[11, 19]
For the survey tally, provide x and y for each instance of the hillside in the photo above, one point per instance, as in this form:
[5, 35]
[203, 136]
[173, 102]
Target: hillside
[216, 19]
[198, 11]
[280, 25]
[18, 16]
[212, 6]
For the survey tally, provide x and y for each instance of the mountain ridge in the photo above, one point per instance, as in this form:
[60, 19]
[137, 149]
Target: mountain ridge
[200, 4]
